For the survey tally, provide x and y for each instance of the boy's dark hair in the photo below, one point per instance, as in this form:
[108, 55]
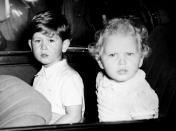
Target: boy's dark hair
[50, 21]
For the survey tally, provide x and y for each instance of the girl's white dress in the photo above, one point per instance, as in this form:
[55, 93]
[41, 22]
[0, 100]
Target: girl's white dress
[130, 100]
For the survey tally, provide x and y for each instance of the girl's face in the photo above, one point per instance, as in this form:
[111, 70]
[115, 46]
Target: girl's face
[46, 49]
[121, 57]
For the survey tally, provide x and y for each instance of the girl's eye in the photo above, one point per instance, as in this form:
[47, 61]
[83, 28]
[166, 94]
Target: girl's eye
[130, 53]
[112, 55]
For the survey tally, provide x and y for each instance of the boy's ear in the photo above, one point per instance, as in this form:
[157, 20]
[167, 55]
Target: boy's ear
[30, 44]
[66, 44]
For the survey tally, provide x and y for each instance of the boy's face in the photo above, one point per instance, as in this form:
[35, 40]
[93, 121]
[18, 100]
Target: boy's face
[46, 49]
[120, 57]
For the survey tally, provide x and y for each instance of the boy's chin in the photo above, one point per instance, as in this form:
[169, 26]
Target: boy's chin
[45, 62]
[48, 63]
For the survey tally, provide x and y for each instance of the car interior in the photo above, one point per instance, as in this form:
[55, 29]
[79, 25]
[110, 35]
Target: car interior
[17, 60]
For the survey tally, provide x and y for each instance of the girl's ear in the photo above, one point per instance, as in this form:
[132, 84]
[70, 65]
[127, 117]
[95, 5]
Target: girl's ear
[30, 44]
[141, 61]
[66, 44]
[100, 64]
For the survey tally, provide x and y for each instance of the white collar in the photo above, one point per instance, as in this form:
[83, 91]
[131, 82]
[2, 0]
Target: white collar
[105, 82]
[48, 71]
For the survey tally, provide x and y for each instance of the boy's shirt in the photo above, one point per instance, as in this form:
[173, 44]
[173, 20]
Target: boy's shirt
[130, 100]
[61, 85]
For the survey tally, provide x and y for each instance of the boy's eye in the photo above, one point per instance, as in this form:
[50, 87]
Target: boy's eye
[51, 40]
[36, 41]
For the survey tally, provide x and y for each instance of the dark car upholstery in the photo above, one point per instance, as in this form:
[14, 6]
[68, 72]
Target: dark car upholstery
[160, 68]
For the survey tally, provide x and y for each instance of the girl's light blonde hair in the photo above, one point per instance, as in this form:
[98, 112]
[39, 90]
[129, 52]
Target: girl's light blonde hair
[122, 26]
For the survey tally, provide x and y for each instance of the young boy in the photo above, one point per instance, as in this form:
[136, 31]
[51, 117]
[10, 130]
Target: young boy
[56, 80]
[122, 91]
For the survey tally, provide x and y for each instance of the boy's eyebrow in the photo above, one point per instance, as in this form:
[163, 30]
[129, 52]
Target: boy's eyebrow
[47, 34]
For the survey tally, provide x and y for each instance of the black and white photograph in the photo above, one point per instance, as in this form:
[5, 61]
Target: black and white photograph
[74, 65]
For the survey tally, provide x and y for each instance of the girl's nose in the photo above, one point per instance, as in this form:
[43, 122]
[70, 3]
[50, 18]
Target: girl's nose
[122, 60]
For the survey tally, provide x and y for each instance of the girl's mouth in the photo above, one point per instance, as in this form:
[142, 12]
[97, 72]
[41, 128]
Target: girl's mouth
[122, 71]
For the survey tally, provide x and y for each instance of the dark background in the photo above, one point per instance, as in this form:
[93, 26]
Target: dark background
[85, 17]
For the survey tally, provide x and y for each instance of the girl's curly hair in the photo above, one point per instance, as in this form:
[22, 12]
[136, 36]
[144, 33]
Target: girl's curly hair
[120, 26]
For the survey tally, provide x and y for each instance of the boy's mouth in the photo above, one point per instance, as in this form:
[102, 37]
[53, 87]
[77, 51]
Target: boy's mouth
[44, 55]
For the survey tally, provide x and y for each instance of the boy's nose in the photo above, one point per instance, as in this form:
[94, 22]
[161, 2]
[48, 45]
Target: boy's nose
[43, 46]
